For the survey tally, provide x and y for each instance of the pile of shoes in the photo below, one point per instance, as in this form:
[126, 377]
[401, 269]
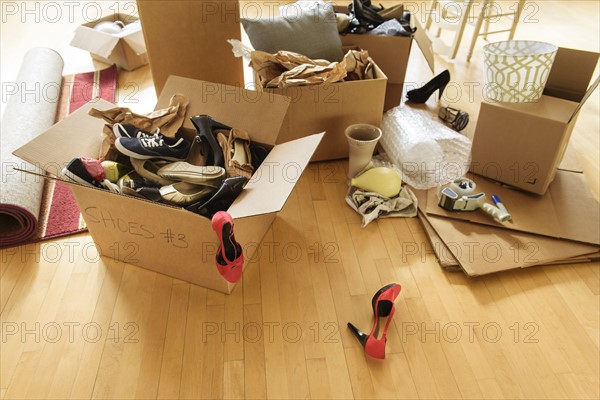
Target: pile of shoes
[204, 176]
[365, 17]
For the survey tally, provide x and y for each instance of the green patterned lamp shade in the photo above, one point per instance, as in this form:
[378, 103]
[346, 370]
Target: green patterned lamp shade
[516, 71]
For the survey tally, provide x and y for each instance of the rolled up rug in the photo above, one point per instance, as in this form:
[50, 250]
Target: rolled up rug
[30, 110]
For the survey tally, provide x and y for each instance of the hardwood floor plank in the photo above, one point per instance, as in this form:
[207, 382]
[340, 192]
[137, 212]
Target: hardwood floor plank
[172, 362]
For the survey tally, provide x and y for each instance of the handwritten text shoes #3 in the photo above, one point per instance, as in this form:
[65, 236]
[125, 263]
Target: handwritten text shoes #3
[157, 146]
[229, 259]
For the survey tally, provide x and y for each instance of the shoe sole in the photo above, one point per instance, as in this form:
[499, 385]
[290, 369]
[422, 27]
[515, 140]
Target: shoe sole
[132, 154]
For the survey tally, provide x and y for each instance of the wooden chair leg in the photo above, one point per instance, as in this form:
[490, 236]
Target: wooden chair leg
[476, 32]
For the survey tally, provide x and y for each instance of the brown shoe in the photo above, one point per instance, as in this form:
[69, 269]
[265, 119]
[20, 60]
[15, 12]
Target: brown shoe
[236, 149]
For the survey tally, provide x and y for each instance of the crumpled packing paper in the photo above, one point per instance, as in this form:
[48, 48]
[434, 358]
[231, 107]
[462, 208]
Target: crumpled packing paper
[168, 120]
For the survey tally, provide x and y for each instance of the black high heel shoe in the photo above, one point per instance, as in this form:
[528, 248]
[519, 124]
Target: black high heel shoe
[383, 306]
[423, 93]
[207, 129]
[366, 16]
[222, 199]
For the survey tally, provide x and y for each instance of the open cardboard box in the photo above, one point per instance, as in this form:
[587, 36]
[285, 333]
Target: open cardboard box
[391, 53]
[331, 108]
[171, 240]
[127, 50]
[522, 144]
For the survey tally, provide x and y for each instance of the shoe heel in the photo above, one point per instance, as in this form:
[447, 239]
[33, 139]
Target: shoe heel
[442, 88]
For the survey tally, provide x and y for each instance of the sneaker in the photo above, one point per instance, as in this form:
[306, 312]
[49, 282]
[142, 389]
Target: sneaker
[158, 146]
[130, 131]
[88, 172]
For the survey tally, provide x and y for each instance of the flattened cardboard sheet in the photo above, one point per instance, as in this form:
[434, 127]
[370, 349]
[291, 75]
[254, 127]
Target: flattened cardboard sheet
[567, 211]
[481, 250]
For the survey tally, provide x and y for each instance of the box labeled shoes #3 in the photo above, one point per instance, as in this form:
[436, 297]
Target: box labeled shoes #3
[522, 144]
[126, 49]
[171, 240]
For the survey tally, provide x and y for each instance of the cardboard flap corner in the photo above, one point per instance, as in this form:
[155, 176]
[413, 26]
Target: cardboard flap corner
[563, 82]
[273, 182]
[585, 97]
[75, 136]
[424, 44]
[136, 41]
[260, 113]
[100, 43]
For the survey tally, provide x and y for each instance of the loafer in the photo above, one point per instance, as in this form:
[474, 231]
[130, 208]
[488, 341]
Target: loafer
[183, 193]
[148, 169]
[208, 175]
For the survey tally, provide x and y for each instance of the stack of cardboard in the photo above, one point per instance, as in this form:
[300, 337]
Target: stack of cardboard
[518, 148]
[562, 226]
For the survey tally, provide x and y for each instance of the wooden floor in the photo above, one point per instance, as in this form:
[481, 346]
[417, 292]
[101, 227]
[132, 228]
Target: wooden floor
[76, 326]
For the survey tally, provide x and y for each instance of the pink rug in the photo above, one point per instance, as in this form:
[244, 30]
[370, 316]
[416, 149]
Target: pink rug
[60, 214]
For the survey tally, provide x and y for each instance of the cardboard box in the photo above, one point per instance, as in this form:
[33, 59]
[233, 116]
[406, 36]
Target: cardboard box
[331, 108]
[391, 53]
[189, 38]
[127, 50]
[522, 144]
[171, 240]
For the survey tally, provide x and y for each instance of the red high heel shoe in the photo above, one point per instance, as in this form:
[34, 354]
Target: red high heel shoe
[229, 259]
[383, 306]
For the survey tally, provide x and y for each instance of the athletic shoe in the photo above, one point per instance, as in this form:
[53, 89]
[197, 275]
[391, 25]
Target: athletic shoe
[157, 146]
[130, 131]
[88, 172]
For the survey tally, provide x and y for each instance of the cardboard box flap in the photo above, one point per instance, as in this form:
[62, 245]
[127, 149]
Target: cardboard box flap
[260, 113]
[136, 41]
[562, 82]
[585, 97]
[275, 179]
[75, 136]
[96, 42]
[424, 44]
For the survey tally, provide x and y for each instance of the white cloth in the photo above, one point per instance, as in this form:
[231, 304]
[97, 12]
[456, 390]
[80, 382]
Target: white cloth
[372, 205]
